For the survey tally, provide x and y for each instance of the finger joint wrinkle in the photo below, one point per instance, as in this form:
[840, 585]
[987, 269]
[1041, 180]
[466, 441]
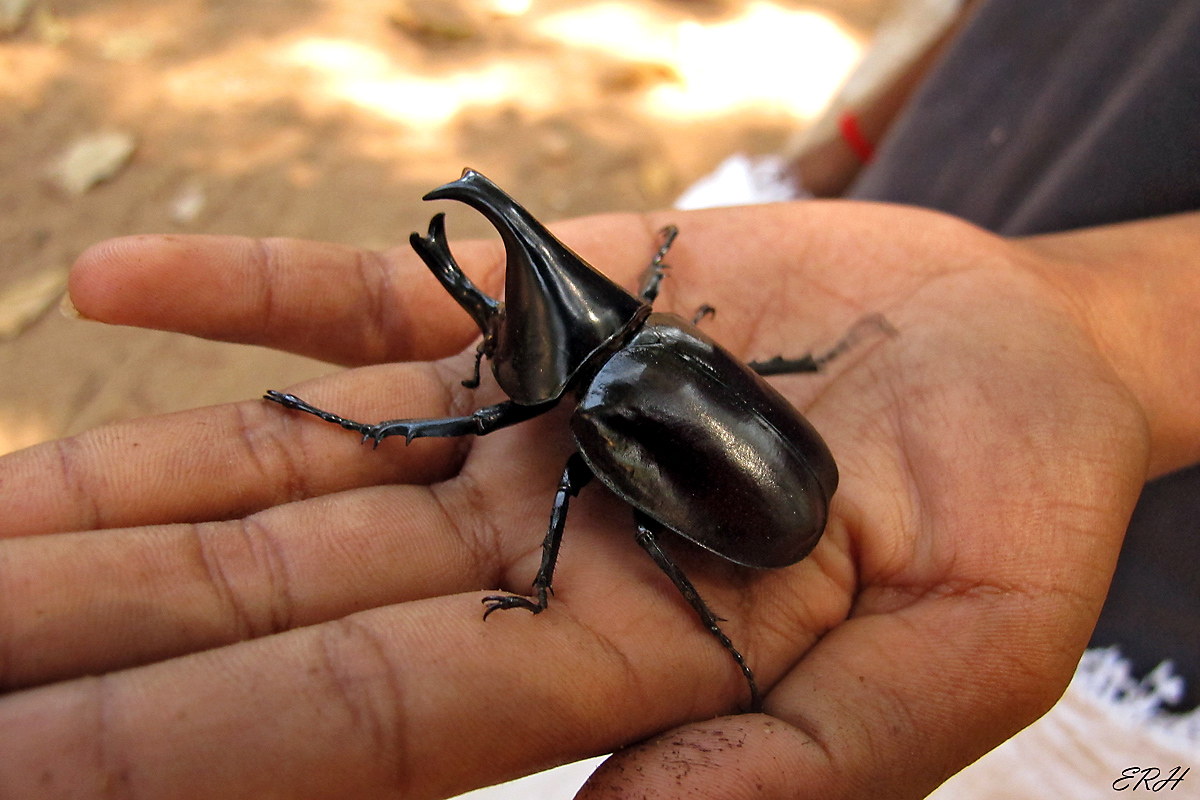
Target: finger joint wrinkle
[205, 537]
[85, 505]
[365, 682]
[276, 457]
[271, 564]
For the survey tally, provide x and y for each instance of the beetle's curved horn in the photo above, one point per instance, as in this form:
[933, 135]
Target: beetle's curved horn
[434, 251]
[558, 310]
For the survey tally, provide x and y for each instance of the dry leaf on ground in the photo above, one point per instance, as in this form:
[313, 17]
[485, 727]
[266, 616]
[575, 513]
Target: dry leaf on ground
[22, 303]
[90, 160]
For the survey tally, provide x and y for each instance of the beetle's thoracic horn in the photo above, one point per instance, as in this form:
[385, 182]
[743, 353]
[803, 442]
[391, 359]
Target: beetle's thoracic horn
[558, 310]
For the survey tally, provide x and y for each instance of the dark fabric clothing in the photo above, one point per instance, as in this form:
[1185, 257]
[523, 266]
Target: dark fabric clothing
[1048, 115]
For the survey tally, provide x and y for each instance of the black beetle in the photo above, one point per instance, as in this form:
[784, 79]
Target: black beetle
[693, 439]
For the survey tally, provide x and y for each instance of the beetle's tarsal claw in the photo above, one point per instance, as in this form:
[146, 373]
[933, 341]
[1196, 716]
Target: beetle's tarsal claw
[374, 434]
[473, 381]
[496, 602]
[285, 400]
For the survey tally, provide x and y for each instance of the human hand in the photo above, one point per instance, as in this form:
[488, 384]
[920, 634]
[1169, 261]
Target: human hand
[328, 594]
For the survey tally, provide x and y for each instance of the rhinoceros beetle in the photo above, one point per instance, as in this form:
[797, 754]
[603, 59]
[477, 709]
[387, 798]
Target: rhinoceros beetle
[689, 436]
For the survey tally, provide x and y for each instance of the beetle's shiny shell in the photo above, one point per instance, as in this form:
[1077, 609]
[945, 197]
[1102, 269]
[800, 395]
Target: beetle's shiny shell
[682, 430]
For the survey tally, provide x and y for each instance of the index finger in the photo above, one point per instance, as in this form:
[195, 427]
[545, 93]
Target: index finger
[327, 301]
[332, 302]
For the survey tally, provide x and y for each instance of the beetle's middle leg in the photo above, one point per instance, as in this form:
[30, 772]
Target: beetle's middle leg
[483, 421]
[871, 323]
[575, 477]
[654, 273]
[648, 539]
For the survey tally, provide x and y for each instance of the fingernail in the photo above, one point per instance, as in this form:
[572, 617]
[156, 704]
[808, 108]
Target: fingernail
[68, 309]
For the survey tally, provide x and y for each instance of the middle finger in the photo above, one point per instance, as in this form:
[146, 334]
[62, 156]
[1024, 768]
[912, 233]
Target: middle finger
[87, 603]
[228, 461]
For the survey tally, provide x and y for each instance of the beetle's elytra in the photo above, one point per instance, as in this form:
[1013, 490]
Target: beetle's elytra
[689, 436]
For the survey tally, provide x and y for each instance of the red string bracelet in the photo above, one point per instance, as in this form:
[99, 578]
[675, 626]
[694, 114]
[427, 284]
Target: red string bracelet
[852, 135]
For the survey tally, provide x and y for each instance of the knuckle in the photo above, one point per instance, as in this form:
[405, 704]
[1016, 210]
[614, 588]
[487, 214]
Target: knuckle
[75, 481]
[464, 506]
[387, 330]
[271, 565]
[234, 566]
[275, 453]
[111, 759]
[266, 258]
[360, 678]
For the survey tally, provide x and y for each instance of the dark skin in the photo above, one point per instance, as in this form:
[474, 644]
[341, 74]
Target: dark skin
[313, 627]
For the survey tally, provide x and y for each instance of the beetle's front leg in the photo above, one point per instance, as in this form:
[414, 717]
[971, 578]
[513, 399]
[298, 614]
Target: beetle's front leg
[575, 477]
[483, 421]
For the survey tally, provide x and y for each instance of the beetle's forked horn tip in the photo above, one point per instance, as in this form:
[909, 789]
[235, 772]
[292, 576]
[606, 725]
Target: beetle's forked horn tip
[449, 191]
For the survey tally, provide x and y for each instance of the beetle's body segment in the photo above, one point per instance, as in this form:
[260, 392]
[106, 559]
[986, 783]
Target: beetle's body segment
[687, 434]
[693, 439]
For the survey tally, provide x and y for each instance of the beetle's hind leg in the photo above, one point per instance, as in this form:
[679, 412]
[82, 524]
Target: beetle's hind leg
[647, 537]
[868, 325]
[480, 423]
[654, 273]
[575, 477]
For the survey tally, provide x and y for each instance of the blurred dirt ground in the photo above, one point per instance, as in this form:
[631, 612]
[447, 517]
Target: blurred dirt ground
[328, 119]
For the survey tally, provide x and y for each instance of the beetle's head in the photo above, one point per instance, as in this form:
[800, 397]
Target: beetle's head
[557, 310]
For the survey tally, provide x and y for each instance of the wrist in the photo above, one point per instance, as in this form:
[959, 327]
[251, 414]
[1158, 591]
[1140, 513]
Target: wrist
[1135, 287]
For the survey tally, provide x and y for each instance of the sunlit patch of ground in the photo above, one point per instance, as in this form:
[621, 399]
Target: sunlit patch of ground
[767, 56]
[328, 119]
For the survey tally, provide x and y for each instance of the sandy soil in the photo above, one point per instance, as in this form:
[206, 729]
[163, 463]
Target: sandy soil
[322, 119]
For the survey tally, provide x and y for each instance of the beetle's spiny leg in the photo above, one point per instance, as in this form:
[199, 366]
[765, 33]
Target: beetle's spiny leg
[576, 475]
[785, 366]
[653, 275]
[649, 541]
[293, 402]
[473, 381]
[480, 423]
[871, 323]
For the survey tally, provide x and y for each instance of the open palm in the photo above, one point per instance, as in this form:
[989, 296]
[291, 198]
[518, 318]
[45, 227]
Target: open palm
[313, 628]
